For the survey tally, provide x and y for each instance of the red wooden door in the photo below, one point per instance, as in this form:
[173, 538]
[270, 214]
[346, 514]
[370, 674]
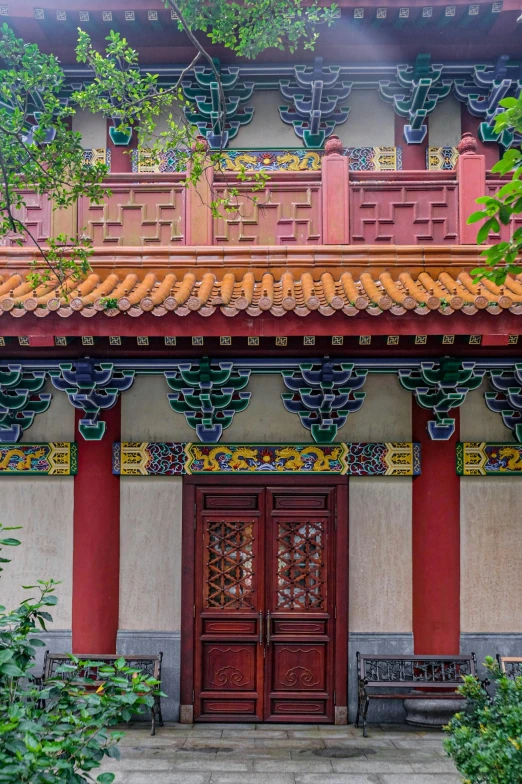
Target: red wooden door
[229, 606]
[300, 609]
[264, 604]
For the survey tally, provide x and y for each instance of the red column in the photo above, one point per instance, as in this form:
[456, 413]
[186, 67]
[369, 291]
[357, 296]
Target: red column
[335, 192]
[96, 542]
[471, 177]
[470, 124]
[413, 155]
[436, 542]
[121, 156]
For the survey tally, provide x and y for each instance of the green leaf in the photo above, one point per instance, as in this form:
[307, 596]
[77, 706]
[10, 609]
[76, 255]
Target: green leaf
[10, 542]
[5, 655]
[477, 216]
[106, 778]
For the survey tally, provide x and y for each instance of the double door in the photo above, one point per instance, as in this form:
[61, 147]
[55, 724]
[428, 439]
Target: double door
[265, 604]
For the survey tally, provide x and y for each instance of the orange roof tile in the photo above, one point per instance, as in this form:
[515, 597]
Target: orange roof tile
[257, 291]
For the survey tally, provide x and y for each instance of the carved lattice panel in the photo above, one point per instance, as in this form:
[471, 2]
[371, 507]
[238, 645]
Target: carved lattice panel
[36, 215]
[492, 188]
[230, 564]
[278, 215]
[300, 565]
[141, 215]
[398, 214]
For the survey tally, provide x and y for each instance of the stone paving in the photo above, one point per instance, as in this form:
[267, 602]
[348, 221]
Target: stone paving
[281, 754]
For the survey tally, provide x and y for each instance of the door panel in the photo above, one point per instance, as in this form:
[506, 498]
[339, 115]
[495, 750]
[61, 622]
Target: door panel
[265, 604]
[229, 605]
[299, 590]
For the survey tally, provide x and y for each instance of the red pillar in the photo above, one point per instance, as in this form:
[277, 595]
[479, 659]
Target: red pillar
[121, 156]
[413, 155]
[471, 177]
[436, 541]
[96, 542]
[335, 188]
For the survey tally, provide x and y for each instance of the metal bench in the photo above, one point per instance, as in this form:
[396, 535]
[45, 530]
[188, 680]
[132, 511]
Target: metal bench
[149, 665]
[397, 673]
[511, 665]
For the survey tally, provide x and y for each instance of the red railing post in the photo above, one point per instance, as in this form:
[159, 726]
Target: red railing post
[335, 198]
[471, 178]
[199, 223]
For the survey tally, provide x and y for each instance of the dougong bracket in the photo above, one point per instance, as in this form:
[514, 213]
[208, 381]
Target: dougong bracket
[20, 400]
[439, 388]
[507, 398]
[323, 396]
[93, 388]
[415, 94]
[209, 396]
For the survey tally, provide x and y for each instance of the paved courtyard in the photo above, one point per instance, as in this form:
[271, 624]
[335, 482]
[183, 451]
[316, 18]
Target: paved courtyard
[282, 754]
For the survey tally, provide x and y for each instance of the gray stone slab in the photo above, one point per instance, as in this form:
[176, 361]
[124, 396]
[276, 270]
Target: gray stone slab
[337, 778]
[253, 778]
[366, 642]
[293, 766]
[166, 778]
[213, 764]
[421, 778]
[135, 642]
[371, 766]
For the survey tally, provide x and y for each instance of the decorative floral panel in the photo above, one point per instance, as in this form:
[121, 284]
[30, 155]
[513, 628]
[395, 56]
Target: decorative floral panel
[441, 158]
[356, 459]
[482, 459]
[374, 158]
[97, 155]
[52, 459]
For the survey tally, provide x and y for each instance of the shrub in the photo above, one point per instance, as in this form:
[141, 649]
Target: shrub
[58, 734]
[486, 738]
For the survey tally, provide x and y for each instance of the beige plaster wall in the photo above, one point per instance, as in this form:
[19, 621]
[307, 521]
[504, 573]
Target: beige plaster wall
[55, 424]
[44, 507]
[380, 571]
[147, 416]
[267, 128]
[444, 127]
[371, 122]
[385, 414]
[150, 553]
[491, 554]
[478, 423]
[93, 128]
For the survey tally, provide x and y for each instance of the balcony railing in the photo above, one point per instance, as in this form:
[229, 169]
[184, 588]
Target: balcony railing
[327, 207]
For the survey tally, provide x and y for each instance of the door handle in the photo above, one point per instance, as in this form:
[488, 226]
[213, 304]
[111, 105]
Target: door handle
[260, 627]
[268, 621]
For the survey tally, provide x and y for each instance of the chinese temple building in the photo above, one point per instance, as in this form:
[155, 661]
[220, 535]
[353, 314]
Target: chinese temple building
[264, 441]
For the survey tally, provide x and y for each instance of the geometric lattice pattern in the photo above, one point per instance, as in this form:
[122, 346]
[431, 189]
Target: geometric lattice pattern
[301, 575]
[230, 564]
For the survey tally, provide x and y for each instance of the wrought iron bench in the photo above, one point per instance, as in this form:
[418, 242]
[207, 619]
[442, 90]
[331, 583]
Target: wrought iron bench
[429, 673]
[149, 665]
[511, 665]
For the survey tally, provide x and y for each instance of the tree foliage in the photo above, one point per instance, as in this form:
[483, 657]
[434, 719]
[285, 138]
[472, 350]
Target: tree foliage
[499, 210]
[58, 732]
[40, 153]
[486, 738]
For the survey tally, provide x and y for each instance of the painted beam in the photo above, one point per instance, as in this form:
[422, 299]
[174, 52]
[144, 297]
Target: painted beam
[353, 459]
[46, 459]
[489, 459]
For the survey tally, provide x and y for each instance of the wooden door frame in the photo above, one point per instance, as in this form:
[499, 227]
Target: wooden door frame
[188, 549]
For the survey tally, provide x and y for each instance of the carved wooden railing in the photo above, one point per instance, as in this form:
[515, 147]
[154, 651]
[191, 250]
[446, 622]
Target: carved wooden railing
[328, 207]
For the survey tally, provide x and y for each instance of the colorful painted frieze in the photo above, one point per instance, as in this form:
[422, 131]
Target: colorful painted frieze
[51, 459]
[360, 159]
[441, 158]
[483, 459]
[170, 459]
